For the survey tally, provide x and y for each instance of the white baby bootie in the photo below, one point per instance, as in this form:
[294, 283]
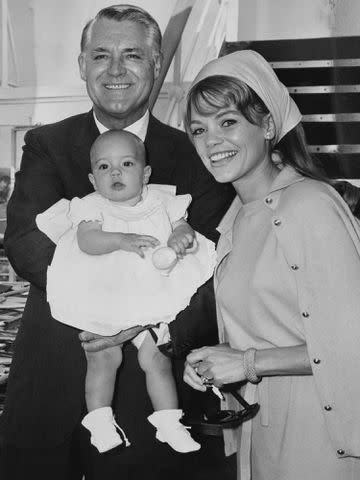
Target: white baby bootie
[104, 430]
[171, 431]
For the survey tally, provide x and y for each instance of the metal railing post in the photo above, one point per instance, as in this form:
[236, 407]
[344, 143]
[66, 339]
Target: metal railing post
[171, 40]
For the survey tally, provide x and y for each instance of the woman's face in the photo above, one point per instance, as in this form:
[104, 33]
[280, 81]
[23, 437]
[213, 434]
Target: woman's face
[230, 147]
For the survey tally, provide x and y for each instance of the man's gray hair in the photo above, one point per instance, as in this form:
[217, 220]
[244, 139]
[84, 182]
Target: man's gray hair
[120, 13]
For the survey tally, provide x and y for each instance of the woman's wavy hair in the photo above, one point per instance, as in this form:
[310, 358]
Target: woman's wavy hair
[218, 91]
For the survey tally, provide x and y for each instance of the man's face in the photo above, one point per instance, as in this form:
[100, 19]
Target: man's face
[119, 66]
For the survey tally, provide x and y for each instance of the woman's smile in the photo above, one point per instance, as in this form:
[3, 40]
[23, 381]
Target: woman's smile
[219, 158]
[233, 149]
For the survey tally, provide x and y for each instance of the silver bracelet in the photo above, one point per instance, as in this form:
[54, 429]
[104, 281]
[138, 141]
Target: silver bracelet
[249, 366]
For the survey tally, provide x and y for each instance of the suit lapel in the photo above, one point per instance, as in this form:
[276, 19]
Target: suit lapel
[160, 152]
[86, 135]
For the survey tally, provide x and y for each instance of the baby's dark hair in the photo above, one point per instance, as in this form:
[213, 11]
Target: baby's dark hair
[120, 134]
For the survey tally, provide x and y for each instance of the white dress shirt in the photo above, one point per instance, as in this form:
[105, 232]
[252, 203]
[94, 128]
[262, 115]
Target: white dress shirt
[138, 128]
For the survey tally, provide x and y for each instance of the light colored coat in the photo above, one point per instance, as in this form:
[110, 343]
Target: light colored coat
[289, 273]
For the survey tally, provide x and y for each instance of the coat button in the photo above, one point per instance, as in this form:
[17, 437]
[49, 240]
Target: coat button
[294, 267]
[340, 451]
[316, 361]
[327, 408]
[305, 314]
[277, 222]
[268, 200]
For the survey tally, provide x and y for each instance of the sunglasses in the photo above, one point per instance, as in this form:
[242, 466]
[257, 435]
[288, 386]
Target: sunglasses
[213, 424]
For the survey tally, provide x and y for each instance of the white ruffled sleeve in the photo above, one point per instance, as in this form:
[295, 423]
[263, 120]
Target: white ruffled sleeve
[176, 205]
[54, 222]
[64, 215]
[81, 210]
[177, 208]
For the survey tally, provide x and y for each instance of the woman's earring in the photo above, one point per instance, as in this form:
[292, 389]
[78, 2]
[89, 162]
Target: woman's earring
[267, 135]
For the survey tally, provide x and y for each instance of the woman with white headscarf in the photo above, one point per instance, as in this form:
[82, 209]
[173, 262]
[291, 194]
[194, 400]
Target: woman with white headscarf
[287, 281]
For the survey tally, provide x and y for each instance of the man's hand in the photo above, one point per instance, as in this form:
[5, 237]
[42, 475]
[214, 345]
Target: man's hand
[91, 342]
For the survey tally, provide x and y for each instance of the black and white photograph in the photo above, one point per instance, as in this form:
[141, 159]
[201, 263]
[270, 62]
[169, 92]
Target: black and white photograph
[180, 240]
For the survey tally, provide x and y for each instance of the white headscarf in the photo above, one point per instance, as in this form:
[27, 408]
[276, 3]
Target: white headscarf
[251, 68]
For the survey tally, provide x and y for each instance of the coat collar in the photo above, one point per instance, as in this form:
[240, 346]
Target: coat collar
[85, 134]
[287, 176]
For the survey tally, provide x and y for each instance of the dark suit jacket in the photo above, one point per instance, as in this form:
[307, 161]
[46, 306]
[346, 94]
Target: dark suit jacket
[45, 394]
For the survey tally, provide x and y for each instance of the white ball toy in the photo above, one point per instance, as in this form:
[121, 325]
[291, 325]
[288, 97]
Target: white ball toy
[164, 259]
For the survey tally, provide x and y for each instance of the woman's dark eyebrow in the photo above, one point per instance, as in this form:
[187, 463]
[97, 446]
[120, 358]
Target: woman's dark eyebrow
[218, 115]
[226, 112]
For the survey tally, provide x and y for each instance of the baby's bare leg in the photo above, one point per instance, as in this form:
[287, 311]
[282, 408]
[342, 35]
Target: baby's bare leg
[100, 377]
[159, 379]
[161, 387]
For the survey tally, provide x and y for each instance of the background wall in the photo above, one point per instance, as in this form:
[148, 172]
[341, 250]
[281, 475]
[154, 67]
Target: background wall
[47, 34]
[281, 19]
[57, 31]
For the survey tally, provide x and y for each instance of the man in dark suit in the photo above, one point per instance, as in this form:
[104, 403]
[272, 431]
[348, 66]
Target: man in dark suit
[119, 61]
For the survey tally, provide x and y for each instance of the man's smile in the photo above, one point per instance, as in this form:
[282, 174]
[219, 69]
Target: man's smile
[117, 86]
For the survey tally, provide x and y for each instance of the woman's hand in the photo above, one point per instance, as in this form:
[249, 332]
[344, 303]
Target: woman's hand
[192, 378]
[221, 364]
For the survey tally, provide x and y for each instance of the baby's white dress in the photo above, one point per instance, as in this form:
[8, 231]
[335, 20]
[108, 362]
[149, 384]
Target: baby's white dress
[111, 292]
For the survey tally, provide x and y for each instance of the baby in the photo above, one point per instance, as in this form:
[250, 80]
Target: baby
[103, 278]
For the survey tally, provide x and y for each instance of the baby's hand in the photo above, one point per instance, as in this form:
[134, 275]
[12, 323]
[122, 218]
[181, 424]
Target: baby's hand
[132, 242]
[181, 239]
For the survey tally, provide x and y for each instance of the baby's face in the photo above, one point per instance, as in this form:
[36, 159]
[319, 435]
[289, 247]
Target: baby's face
[118, 171]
